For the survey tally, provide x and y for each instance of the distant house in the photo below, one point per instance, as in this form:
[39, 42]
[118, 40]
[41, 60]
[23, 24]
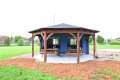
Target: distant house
[3, 40]
[117, 38]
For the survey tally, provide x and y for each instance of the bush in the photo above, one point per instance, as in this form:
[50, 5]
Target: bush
[100, 39]
[7, 41]
[20, 42]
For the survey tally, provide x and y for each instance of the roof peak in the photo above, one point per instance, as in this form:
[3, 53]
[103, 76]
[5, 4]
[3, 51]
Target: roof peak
[63, 25]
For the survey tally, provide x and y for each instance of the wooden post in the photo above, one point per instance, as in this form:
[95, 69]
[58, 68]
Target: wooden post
[32, 44]
[78, 47]
[45, 47]
[94, 45]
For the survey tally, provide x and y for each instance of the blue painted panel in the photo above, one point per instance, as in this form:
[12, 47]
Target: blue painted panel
[63, 44]
[41, 43]
[85, 46]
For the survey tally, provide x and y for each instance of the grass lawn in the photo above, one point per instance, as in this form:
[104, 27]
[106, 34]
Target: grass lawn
[10, 51]
[17, 73]
[106, 46]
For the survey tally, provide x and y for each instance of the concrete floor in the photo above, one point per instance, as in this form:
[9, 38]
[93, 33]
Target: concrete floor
[68, 59]
[52, 58]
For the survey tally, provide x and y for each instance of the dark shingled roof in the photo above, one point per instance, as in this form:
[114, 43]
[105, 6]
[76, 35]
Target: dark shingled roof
[62, 26]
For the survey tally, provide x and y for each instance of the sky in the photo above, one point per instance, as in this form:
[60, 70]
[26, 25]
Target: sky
[17, 17]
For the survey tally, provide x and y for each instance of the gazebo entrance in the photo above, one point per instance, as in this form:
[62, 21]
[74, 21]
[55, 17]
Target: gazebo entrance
[63, 39]
[65, 43]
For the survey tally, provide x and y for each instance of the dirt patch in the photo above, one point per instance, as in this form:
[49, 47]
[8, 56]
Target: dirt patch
[70, 70]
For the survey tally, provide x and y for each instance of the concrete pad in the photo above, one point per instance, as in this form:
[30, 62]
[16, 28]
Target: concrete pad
[61, 59]
[68, 59]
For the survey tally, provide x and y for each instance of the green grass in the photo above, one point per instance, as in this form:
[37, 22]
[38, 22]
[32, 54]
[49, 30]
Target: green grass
[98, 46]
[17, 73]
[108, 46]
[102, 73]
[11, 51]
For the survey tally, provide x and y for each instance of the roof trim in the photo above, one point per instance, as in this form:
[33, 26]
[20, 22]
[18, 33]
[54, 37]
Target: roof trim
[62, 26]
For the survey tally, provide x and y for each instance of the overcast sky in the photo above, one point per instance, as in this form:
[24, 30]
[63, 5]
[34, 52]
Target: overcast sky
[17, 17]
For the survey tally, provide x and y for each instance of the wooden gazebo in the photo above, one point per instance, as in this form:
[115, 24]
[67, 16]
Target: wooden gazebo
[64, 32]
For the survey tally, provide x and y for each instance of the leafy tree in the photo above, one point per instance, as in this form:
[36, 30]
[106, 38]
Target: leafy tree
[100, 39]
[20, 42]
[7, 41]
[17, 38]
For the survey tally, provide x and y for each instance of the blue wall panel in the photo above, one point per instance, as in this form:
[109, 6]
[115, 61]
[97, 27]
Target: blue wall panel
[63, 44]
[41, 43]
[85, 46]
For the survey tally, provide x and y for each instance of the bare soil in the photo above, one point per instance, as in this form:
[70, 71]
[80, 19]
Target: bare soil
[84, 69]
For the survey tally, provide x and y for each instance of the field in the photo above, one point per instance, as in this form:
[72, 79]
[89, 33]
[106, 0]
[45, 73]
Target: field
[27, 69]
[106, 46]
[17, 73]
[11, 51]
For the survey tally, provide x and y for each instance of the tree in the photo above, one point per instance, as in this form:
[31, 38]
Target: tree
[100, 39]
[20, 42]
[7, 41]
[17, 38]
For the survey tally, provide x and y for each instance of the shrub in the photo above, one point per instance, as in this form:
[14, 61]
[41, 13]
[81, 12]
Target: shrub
[100, 39]
[7, 41]
[20, 42]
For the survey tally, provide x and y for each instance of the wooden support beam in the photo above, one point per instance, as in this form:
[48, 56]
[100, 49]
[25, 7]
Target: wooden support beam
[94, 45]
[45, 46]
[49, 35]
[32, 44]
[73, 35]
[78, 48]
[42, 34]
[69, 31]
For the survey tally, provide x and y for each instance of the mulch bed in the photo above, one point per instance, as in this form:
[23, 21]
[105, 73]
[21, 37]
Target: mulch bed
[70, 70]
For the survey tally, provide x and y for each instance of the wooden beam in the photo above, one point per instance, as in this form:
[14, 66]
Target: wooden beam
[49, 35]
[45, 46]
[78, 47]
[39, 33]
[42, 34]
[32, 44]
[73, 35]
[69, 31]
[94, 45]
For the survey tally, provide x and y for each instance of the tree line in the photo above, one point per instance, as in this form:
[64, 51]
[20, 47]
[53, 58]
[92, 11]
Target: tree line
[17, 40]
[23, 41]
